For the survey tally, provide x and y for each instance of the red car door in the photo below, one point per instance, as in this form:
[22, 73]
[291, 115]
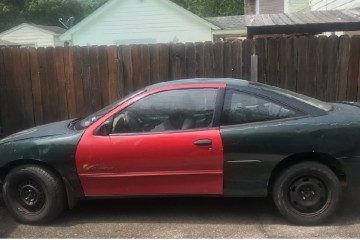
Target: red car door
[168, 146]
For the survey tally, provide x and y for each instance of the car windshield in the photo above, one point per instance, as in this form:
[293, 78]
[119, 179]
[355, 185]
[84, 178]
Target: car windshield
[86, 122]
[297, 96]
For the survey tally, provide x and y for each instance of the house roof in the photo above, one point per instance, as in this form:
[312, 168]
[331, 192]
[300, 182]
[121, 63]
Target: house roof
[108, 5]
[53, 30]
[4, 43]
[297, 22]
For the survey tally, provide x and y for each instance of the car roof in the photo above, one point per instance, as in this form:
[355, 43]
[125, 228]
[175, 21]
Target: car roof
[227, 81]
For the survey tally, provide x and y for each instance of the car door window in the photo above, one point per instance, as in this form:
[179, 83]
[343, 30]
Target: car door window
[172, 110]
[245, 108]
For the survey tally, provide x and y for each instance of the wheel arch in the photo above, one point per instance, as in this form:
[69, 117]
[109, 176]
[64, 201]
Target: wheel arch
[71, 200]
[319, 157]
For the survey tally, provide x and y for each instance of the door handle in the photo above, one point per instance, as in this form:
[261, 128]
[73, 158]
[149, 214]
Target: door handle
[203, 142]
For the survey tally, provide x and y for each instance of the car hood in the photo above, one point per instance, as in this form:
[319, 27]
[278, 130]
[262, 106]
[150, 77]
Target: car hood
[48, 130]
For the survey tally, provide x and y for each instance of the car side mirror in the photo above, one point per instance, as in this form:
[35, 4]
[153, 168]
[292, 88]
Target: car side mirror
[105, 129]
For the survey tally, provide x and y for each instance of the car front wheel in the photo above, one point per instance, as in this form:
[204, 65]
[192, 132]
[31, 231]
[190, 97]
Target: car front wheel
[33, 194]
[307, 193]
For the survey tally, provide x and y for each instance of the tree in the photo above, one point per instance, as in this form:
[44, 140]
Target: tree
[46, 12]
[212, 8]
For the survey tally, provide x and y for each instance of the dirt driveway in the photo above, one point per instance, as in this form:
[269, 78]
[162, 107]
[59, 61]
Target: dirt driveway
[184, 218]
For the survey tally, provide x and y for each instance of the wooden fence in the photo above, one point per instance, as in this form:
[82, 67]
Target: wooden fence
[38, 86]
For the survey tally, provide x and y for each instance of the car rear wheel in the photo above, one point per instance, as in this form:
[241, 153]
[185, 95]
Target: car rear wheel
[307, 193]
[33, 194]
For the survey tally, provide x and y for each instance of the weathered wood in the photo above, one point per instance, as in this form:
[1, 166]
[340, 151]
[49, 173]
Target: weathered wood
[312, 57]
[154, 63]
[237, 63]
[200, 67]
[4, 104]
[272, 62]
[227, 55]
[103, 75]
[86, 81]
[260, 46]
[53, 85]
[71, 90]
[42, 63]
[218, 59]
[96, 98]
[322, 70]
[136, 66]
[190, 55]
[246, 59]
[303, 86]
[352, 82]
[113, 69]
[177, 61]
[125, 53]
[62, 84]
[283, 70]
[145, 66]
[342, 67]
[209, 60]
[164, 63]
[35, 87]
[332, 62]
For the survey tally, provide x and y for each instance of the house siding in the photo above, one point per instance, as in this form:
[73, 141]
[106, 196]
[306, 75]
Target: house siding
[147, 21]
[27, 35]
[297, 5]
[318, 5]
[271, 7]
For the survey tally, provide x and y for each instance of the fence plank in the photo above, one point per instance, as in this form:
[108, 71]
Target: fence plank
[322, 71]
[190, 55]
[352, 84]
[96, 91]
[25, 81]
[312, 62]
[260, 45]
[62, 83]
[200, 64]
[246, 59]
[136, 66]
[343, 67]
[85, 70]
[164, 63]
[332, 62]
[237, 64]
[209, 59]
[70, 83]
[35, 87]
[302, 45]
[125, 53]
[218, 59]
[177, 61]
[114, 86]
[154, 63]
[272, 62]
[4, 106]
[103, 75]
[145, 66]
[227, 58]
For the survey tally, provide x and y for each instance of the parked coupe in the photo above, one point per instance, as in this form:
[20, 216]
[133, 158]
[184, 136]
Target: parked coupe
[212, 137]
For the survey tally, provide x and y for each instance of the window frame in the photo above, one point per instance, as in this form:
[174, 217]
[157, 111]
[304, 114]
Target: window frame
[298, 113]
[220, 93]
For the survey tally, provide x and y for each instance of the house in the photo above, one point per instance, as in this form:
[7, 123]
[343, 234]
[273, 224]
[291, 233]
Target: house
[122, 22]
[32, 35]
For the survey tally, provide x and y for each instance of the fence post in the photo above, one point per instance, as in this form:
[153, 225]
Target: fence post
[254, 68]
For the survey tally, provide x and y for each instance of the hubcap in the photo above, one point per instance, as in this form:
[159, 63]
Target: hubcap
[308, 194]
[31, 196]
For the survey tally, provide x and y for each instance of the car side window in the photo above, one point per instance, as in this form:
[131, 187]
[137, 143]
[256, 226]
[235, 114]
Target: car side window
[245, 108]
[172, 110]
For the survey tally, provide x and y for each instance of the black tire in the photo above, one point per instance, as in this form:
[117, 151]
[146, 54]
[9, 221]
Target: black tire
[307, 193]
[33, 194]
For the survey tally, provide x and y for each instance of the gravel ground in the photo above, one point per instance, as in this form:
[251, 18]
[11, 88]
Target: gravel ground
[184, 218]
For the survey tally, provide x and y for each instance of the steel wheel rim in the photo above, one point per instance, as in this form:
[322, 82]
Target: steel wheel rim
[308, 195]
[30, 196]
